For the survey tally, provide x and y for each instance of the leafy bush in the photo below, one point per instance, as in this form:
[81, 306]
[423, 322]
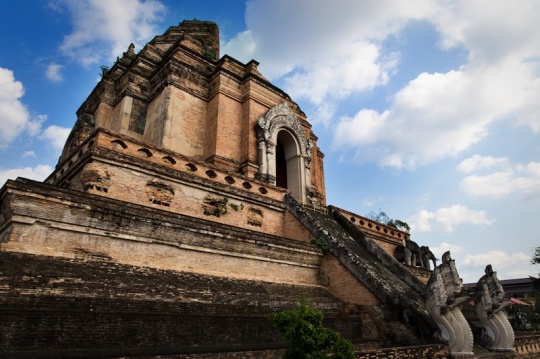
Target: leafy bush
[302, 328]
[321, 243]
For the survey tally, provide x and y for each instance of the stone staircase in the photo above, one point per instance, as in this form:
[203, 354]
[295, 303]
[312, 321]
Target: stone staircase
[394, 286]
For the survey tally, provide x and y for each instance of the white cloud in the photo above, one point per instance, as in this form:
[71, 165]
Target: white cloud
[56, 135]
[436, 115]
[421, 221]
[38, 173]
[477, 162]
[498, 259]
[447, 218]
[13, 113]
[242, 46]
[53, 73]
[368, 202]
[29, 154]
[33, 127]
[16, 118]
[362, 128]
[519, 179]
[324, 51]
[106, 28]
[439, 250]
[354, 69]
[295, 32]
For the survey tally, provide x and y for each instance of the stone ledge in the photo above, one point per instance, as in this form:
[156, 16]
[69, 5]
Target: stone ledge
[70, 224]
[50, 304]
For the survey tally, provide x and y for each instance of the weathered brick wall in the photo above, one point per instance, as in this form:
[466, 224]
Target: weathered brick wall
[197, 106]
[130, 170]
[51, 303]
[422, 351]
[182, 127]
[85, 266]
[343, 284]
[54, 222]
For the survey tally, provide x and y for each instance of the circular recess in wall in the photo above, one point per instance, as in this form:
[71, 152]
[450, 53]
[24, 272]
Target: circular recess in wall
[169, 160]
[191, 167]
[211, 174]
[229, 179]
[247, 185]
[145, 152]
[119, 144]
[263, 190]
[353, 219]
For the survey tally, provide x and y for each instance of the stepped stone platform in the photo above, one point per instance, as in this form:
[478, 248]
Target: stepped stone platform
[50, 304]
[398, 290]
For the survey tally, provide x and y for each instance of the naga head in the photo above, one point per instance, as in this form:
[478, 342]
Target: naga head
[446, 258]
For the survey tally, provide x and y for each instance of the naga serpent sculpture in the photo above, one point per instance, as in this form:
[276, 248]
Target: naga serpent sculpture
[443, 306]
[497, 334]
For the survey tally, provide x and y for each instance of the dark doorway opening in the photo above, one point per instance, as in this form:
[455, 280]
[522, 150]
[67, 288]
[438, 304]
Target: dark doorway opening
[281, 166]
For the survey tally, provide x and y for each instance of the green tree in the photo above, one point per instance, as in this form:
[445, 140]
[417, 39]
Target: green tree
[383, 218]
[303, 330]
[536, 257]
[396, 223]
[528, 318]
[536, 260]
[523, 317]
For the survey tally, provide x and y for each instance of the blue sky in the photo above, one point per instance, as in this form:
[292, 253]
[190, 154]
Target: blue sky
[425, 109]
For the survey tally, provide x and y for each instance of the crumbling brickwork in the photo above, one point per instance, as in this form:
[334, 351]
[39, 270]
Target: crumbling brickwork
[49, 303]
[175, 94]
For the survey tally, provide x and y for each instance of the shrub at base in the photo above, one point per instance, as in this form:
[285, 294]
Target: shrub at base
[307, 338]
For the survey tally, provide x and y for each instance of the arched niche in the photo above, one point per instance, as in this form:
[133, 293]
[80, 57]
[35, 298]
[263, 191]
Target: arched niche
[284, 147]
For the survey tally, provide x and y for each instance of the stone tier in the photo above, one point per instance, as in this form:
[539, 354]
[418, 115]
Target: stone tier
[44, 220]
[50, 306]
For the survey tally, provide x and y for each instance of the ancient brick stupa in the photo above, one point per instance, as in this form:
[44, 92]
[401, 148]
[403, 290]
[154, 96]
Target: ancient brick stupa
[183, 210]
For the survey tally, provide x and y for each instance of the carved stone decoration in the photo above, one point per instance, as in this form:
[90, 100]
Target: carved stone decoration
[215, 205]
[427, 256]
[95, 179]
[443, 305]
[255, 217]
[403, 255]
[409, 253]
[281, 117]
[159, 193]
[413, 255]
[497, 333]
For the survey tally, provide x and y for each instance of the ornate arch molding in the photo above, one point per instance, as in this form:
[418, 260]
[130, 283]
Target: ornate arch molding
[281, 117]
